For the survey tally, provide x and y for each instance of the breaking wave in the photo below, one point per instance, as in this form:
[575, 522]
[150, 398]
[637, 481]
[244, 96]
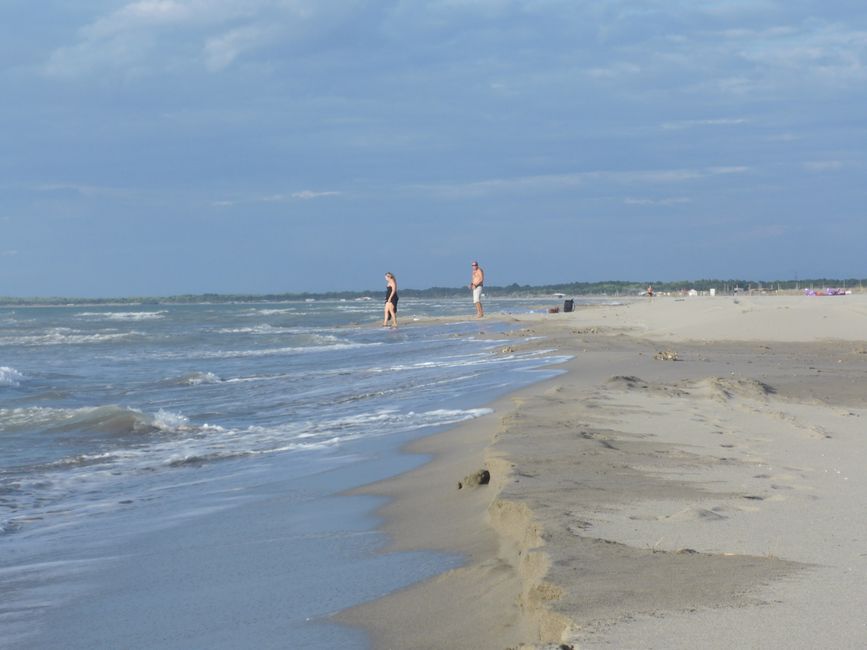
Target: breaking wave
[10, 376]
[385, 421]
[67, 336]
[273, 312]
[123, 315]
[266, 352]
[196, 379]
[258, 329]
[112, 420]
[300, 337]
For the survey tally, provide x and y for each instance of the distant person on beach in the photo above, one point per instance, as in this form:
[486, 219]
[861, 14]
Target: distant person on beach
[650, 291]
[476, 284]
[390, 301]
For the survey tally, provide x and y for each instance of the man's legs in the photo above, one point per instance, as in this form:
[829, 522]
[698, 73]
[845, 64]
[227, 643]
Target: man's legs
[477, 301]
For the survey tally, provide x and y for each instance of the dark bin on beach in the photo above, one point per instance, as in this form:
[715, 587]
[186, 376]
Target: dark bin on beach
[568, 305]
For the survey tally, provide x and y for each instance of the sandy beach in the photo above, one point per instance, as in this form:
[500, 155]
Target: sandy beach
[694, 478]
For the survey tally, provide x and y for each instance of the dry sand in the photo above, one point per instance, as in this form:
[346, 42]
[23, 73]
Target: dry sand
[695, 479]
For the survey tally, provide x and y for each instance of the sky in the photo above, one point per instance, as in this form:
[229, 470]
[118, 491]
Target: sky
[158, 147]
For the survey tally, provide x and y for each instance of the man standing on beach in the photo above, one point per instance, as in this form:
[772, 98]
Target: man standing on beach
[476, 284]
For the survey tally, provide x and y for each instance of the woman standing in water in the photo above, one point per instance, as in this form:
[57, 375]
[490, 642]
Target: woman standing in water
[390, 300]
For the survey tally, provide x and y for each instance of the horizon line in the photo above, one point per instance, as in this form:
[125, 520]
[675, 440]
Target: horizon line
[211, 296]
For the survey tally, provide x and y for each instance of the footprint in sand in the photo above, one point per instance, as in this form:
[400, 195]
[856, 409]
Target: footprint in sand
[784, 483]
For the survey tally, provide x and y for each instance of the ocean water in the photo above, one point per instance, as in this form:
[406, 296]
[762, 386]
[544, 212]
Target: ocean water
[130, 434]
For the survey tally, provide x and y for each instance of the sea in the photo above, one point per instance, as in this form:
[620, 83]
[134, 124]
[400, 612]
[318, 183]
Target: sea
[179, 476]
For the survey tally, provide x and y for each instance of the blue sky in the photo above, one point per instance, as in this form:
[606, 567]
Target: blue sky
[180, 146]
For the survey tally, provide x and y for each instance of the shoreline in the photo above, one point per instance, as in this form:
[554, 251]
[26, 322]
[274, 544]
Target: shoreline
[487, 576]
[635, 500]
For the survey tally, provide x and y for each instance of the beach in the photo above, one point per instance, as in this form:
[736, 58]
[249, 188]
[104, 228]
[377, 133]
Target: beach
[693, 478]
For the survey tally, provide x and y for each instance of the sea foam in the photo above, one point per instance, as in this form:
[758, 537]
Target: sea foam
[110, 419]
[122, 315]
[10, 376]
[198, 378]
[67, 336]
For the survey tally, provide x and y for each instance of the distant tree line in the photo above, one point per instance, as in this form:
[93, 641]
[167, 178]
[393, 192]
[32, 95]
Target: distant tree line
[603, 288]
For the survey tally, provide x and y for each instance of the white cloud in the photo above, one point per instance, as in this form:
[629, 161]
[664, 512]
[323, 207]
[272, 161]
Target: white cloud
[303, 195]
[783, 137]
[768, 231]
[825, 46]
[309, 194]
[763, 56]
[689, 124]
[83, 190]
[142, 15]
[559, 182]
[736, 8]
[823, 165]
[677, 200]
[827, 53]
[150, 36]
[222, 50]
[737, 169]
[615, 71]
[127, 39]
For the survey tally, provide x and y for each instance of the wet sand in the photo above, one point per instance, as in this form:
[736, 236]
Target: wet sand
[693, 479]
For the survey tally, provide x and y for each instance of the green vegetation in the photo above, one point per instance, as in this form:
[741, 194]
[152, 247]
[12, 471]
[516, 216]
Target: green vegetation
[604, 288]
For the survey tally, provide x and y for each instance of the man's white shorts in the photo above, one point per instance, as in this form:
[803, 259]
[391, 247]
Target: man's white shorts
[477, 294]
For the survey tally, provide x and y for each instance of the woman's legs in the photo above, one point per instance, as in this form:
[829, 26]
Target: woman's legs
[391, 313]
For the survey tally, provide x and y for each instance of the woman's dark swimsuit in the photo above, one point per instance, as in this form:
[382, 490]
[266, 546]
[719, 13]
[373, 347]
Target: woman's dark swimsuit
[394, 298]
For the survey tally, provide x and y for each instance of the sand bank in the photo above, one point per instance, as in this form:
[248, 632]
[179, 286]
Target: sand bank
[694, 479]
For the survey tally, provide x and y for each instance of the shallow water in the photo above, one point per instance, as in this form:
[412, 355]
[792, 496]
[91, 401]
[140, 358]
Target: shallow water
[117, 423]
